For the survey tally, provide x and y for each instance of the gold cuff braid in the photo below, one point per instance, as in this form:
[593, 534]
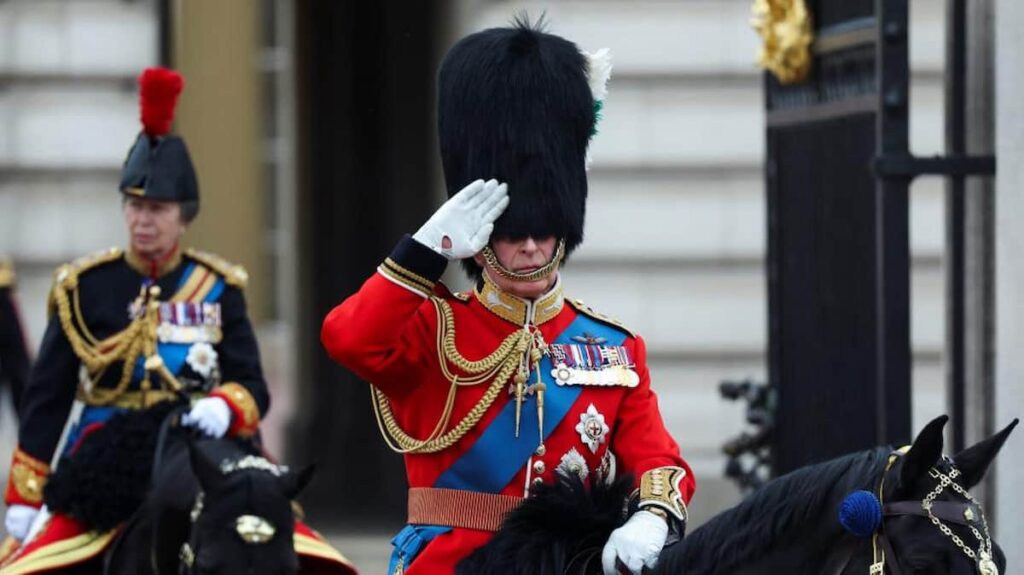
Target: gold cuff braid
[28, 477]
[243, 406]
[659, 488]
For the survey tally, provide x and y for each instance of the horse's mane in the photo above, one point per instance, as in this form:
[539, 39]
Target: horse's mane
[790, 505]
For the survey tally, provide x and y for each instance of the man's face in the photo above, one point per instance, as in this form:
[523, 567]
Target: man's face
[154, 227]
[522, 256]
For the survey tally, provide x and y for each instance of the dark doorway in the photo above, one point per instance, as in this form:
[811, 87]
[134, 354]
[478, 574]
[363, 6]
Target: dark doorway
[367, 172]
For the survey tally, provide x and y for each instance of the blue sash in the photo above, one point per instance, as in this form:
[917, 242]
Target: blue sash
[90, 414]
[498, 455]
[174, 354]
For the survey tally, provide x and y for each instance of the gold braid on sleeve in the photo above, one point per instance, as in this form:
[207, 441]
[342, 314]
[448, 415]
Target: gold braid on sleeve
[497, 368]
[246, 414]
[659, 489]
[27, 479]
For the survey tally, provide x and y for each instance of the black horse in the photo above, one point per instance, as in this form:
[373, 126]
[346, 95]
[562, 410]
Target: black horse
[791, 525]
[203, 506]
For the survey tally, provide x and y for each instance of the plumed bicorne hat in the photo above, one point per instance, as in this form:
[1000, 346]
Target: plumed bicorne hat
[158, 165]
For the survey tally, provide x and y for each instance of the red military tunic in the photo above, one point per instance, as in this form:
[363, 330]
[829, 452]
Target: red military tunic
[387, 333]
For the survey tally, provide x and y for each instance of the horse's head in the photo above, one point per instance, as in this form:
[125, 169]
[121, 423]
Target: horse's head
[930, 520]
[243, 521]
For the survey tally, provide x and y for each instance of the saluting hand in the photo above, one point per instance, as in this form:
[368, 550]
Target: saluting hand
[462, 226]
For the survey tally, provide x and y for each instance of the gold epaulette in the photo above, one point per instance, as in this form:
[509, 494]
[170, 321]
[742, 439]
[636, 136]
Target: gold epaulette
[444, 292]
[66, 276]
[7, 276]
[234, 274]
[586, 310]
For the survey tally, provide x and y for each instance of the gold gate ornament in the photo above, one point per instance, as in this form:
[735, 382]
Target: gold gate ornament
[787, 33]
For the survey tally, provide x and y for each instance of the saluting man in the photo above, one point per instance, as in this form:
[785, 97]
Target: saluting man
[132, 327]
[490, 392]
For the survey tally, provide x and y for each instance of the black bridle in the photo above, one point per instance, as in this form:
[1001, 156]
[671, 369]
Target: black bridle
[251, 529]
[967, 513]
[190, 549]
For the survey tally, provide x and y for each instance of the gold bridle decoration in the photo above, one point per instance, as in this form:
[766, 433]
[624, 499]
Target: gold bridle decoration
[982, 558]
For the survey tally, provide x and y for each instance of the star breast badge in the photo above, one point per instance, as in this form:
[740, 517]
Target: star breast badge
[592, 428]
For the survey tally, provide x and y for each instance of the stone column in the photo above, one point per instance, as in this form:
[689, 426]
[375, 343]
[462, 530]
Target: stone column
[1009, 392]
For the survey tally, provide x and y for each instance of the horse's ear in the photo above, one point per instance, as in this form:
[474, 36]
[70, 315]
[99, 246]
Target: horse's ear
[973, 462]
[206, 471]
[293, 483]
[924, 453]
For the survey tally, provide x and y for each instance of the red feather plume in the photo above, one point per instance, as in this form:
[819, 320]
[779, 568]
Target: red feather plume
[159, 89]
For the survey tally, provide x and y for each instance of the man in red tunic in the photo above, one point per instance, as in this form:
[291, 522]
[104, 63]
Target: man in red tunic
[490, 392]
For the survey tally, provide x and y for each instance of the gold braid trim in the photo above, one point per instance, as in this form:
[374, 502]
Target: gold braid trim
[234, 274]
[27, 479]
[243, 407]
[588, 311]
[131, 399]
[412, 277]
[396, 276]
[659, 489]
[67, 274]
[7, 276]
[127, 346]
[496, 367]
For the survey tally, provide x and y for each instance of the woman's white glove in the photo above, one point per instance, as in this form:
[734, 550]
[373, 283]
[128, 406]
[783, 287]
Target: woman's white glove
[19, 519]
[636, 544]
[211, 415]
[466, 220]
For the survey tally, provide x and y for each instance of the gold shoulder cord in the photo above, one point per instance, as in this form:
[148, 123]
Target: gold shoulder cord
[496, 367]
[235, 275]
[135, 341]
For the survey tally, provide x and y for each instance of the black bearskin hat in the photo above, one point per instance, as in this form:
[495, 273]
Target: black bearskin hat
[158, 165]
[514, 104]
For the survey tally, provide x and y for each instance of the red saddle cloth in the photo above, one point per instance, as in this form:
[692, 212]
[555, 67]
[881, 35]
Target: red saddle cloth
[64, 542]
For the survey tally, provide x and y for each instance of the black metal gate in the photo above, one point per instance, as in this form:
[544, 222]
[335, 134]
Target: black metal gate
[837, 175]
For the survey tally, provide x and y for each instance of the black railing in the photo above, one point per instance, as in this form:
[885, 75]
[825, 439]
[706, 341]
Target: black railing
[750, 453]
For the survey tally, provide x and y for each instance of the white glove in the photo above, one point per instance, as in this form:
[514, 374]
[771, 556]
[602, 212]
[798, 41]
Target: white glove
[18, 520]
[211, 415]
[466, 220]
[637, 543]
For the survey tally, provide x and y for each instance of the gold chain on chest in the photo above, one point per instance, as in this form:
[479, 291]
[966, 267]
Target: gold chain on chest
[519, 348]
[138, 340]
